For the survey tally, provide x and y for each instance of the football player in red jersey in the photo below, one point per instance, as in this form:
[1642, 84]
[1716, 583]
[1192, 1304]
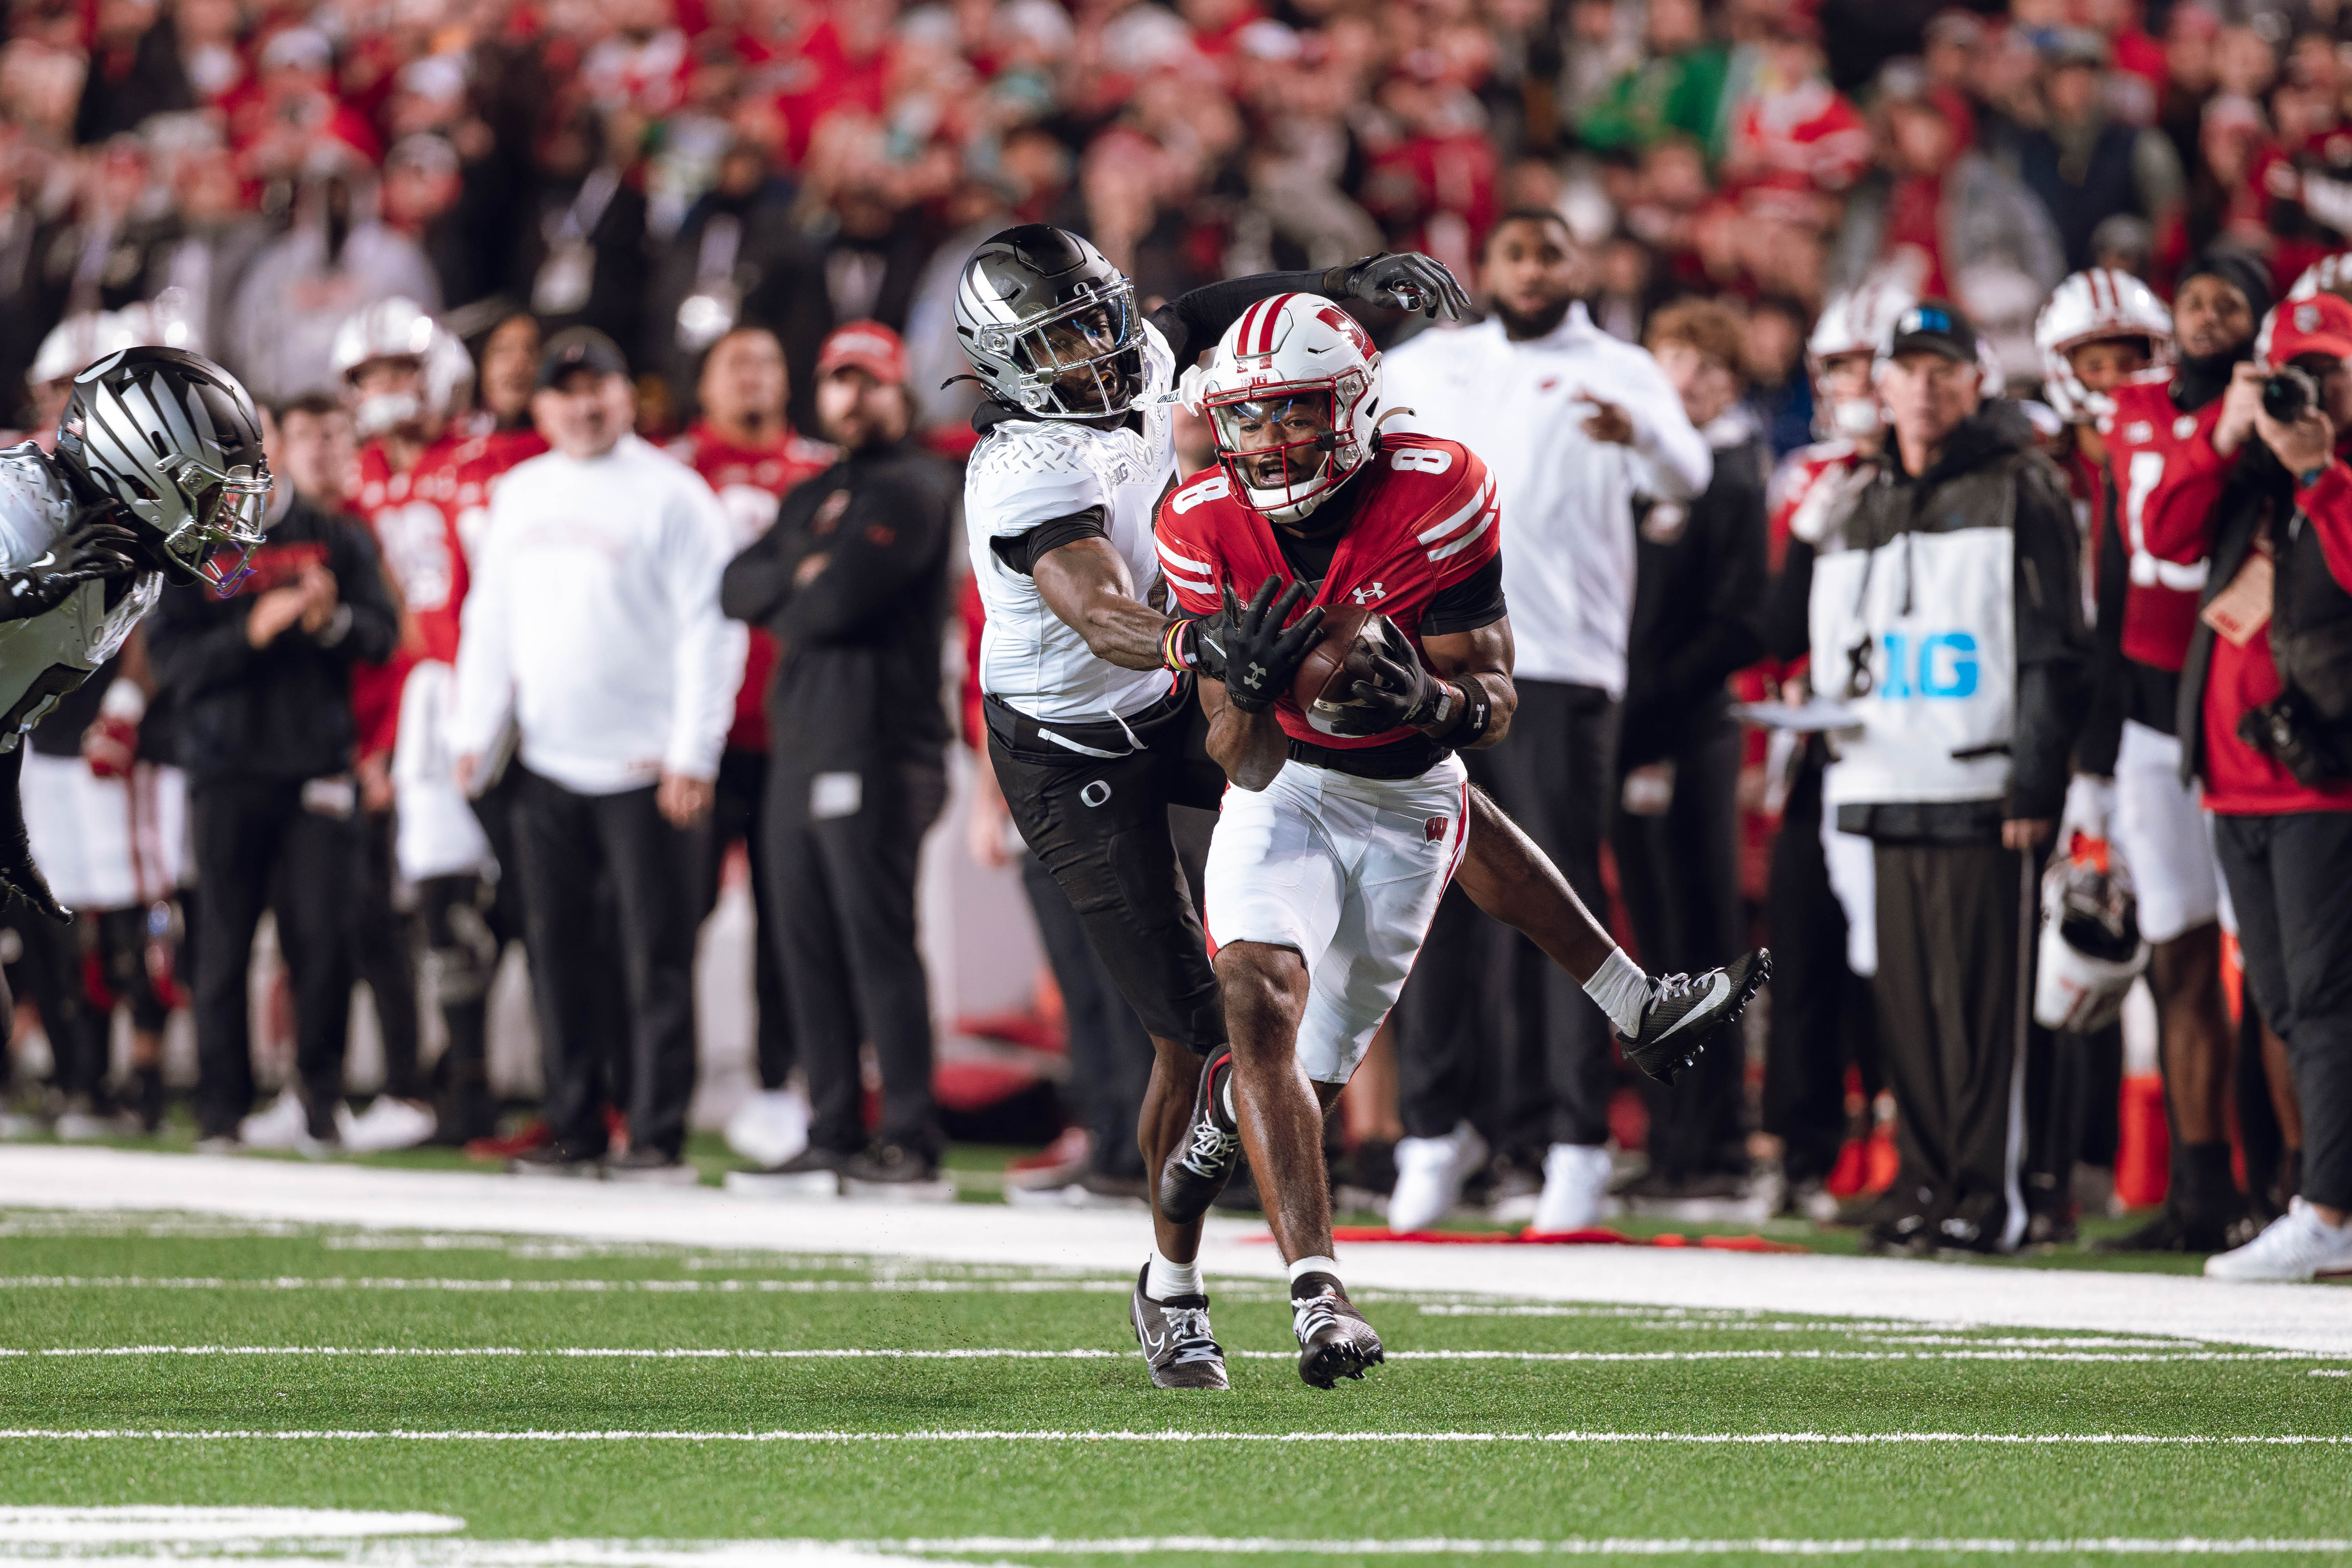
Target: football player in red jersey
[749, 452]
[1330, 856]
[2171, 443]
[407, 380]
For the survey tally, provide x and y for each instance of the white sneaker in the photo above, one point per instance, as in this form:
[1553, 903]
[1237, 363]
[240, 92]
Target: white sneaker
[2298, 1245]
[1576, 1184]
[282, 1124]
[1429, 1177]
[771, 1127]
[388, 1123]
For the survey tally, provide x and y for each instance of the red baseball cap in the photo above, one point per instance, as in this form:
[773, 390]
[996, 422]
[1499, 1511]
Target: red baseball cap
[868, 346]
[2319, 325]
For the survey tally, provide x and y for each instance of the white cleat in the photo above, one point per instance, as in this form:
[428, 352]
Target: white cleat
[385, 1125]
[2296, 1246]
[1429, 1177]
[770, 1127]
[1576, 1184]
[282, 1124]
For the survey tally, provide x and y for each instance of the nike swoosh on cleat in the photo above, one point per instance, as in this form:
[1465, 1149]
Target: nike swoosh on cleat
[1715, 993]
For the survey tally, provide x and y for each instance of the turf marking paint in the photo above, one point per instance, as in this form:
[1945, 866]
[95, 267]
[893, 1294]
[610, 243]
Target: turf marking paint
[1996, 1351]
[1833, 1439]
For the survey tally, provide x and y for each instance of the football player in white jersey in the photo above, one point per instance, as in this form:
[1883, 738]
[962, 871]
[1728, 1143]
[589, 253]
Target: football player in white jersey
[1087, 695]
[158, 470]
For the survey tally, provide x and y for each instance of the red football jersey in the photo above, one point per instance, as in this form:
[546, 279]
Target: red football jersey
[2167, 477]
[411, 515]
[479, 463]
[750, 482]
[1427, 521]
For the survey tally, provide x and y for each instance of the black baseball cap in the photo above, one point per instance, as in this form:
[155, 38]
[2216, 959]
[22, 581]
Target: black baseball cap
[1933, 327]
[580, 348]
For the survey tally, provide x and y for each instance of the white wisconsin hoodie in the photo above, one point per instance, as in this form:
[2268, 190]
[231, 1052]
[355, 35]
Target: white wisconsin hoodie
[1568, 499]
[593, 622]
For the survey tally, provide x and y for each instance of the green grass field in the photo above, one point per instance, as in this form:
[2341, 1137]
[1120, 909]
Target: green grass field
[1470, 1433]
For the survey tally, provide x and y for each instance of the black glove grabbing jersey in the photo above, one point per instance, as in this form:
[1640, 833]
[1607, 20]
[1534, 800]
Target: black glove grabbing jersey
[1262, 656]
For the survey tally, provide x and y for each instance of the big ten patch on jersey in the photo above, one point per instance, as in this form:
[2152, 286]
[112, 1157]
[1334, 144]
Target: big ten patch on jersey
[2168, 479]
[1426, 521]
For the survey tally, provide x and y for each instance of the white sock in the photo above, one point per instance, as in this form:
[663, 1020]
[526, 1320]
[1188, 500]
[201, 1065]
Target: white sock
[1164, 1279]
[1313, 1264]
[1621, 989]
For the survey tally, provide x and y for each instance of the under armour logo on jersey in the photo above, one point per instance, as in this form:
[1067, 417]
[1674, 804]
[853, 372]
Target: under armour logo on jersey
[1370, 595]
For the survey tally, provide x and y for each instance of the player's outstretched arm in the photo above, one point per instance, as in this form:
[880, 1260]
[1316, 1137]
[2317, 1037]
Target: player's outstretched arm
[1086, 583]
[1461, 696]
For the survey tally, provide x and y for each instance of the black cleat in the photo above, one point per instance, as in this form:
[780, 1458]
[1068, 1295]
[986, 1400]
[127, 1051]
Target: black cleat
[1685, 1010]
[1177, 1344]
[2176, 1230]
[1334, 1341]
[1203, 1161]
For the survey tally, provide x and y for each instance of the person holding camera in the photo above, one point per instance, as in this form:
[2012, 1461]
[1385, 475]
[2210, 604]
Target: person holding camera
[2265, 722]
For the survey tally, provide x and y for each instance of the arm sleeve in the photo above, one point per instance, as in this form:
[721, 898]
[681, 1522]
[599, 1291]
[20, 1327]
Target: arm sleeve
[2052, 645]
[757, 582]
[1475, 601]
[1193, 323]
[374, 630]
[1186, 564]
[707, 659]
[1733, 637]
[485, 682]
[888, 537]
[1021, 552]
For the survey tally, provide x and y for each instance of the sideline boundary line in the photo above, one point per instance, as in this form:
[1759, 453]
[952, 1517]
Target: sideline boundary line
[1724, 1439]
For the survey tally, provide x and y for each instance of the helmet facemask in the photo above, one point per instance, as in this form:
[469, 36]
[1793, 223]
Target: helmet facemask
[1289, 446]
[1082, 360]
[223, 513]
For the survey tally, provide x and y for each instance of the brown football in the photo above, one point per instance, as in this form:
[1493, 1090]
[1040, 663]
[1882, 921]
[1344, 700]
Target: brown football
[1326, 677]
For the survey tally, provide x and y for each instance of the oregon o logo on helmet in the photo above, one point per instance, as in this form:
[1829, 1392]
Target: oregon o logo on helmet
[1930, 665]
[1096, 792]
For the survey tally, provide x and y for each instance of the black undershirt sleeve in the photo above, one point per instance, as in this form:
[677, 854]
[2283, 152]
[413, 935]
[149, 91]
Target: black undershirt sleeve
[1021, 551]
[1474, 601]
[1192, 322]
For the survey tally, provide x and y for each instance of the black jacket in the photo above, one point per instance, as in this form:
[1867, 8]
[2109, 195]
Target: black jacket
[1698, 606]
[858, 665]
[283, 711]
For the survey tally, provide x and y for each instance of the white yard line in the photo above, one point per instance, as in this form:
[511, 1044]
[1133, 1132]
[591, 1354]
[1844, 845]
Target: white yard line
[568, 1286]
[96, 1526]
[1994, 1352]
[2285, 1317]
[1726, 1440]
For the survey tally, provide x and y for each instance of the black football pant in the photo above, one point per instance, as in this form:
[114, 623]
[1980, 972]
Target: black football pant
[2291, 883]
[572, 847]
[384, 954]
[1110, 1056]
[257, 847]
[1679, 872]
[841, 867]
[48, 973]
[1822, 1016]
[739, 812]
[1948, 990]
[1557, 777]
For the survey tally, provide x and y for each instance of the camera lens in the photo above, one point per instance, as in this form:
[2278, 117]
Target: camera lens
[2288, 395]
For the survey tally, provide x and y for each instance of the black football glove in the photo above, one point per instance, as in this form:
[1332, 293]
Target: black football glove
[1406, 281]
[1198, 643]
[1402, 692]
[95, 546]
[1262, 656]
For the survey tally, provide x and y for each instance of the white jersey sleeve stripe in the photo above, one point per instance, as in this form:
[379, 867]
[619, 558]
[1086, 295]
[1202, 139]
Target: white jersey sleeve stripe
[1181, 562]
[1478, 502]
[1467, 539]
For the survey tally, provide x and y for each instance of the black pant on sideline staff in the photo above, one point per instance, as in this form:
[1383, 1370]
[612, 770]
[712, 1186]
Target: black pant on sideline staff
[737, 813]
[258, 847]
[566, 842]
[1947, 987]
[2291, 884]
[1557, 777]
[1110, 1056]
[384, 954]
[1680, 875]
[843, 854]
[1821, 1014]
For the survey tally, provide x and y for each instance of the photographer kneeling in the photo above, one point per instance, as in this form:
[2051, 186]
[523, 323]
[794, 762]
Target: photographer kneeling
[2266, 722]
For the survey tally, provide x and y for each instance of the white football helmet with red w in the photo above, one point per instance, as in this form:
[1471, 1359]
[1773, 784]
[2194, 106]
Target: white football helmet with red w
[2090, 307]
[1294, 351]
